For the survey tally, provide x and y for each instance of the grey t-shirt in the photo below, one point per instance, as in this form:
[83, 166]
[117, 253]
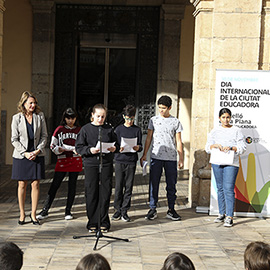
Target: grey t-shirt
[164, 130]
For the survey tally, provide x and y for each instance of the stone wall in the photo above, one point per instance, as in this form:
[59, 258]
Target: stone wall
[201, 179]
[16, 63]
[228, 35]
[2, 113]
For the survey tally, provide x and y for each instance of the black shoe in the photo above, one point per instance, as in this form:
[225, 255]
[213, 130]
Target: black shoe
[116, 215]
[220, 218]
[171, 214]
[21, 222]
[125, 217]
[43, 214]
[35, 222]
[152, 214]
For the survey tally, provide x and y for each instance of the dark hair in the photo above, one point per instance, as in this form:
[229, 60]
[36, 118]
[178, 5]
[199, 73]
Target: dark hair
[257, 256]
[178, 261]
[11, 256]
[69, 112]
[129, 110]
[93, 261]
[224, 110]
[165, 100]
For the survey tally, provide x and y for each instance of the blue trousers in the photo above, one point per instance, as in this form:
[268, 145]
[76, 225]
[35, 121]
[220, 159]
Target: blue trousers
[156, 168]
[225, 176]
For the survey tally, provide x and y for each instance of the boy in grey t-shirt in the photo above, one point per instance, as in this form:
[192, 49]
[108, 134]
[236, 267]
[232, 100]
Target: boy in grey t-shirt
[165, 131]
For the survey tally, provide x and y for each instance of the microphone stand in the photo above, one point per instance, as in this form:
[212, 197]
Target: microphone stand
[99, 233]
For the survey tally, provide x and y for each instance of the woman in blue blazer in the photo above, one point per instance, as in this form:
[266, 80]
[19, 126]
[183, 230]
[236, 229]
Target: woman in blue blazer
[29, 138]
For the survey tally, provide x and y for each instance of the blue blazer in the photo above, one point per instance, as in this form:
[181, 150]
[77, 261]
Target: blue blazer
[19, 136]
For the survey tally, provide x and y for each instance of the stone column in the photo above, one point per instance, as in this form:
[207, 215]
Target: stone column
[43, 56]
[264, 59]
[2, 121]
[43, 53]
[228, 35]
[170, 31]
[202, 98]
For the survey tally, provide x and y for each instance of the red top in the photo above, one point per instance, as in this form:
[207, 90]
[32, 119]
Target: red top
[65, 137]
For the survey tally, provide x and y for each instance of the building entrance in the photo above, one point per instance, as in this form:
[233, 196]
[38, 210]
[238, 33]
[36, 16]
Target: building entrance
[106, 54]
[108, 76]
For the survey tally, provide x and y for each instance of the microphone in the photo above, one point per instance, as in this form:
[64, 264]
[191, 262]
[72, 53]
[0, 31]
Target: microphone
[100, 138]
[99, 133]
[100, 149]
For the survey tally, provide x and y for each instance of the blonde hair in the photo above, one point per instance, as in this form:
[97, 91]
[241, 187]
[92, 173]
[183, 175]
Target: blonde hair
[98, 106]
[24, 98]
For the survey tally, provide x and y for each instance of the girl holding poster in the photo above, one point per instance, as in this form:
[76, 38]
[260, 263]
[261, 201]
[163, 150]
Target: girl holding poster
[224, 139]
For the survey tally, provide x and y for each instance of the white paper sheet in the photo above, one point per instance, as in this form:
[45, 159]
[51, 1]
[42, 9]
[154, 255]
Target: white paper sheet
[144, 168]
[68, 147]
[221, 158]
[128, 144]
[105, 146]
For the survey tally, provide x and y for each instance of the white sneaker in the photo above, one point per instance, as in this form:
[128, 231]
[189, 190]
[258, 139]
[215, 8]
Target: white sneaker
[228, 222]
[68, 217]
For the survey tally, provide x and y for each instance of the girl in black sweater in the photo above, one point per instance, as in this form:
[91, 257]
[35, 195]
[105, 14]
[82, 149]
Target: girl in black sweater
[86, 146]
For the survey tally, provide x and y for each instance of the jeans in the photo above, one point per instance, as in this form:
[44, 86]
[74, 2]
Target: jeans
[124, 178]
[170, 168]
[225, 176]
[57, 180]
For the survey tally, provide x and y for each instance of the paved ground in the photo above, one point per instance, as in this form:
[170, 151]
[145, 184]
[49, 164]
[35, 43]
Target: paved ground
[51, 246]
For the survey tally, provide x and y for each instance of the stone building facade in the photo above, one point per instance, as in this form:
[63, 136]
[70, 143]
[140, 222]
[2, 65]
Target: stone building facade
[174, 38]
[228, 35]
[2, 114]
[194, 39]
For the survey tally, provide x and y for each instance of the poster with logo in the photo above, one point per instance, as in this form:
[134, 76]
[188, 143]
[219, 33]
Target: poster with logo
[247, 95]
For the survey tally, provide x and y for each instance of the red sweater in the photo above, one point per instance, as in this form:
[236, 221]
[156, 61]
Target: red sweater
[65, 137]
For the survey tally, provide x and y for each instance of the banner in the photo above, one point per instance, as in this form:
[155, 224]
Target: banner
[247, 95]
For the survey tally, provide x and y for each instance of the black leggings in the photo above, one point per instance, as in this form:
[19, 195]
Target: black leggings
[57, 180]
